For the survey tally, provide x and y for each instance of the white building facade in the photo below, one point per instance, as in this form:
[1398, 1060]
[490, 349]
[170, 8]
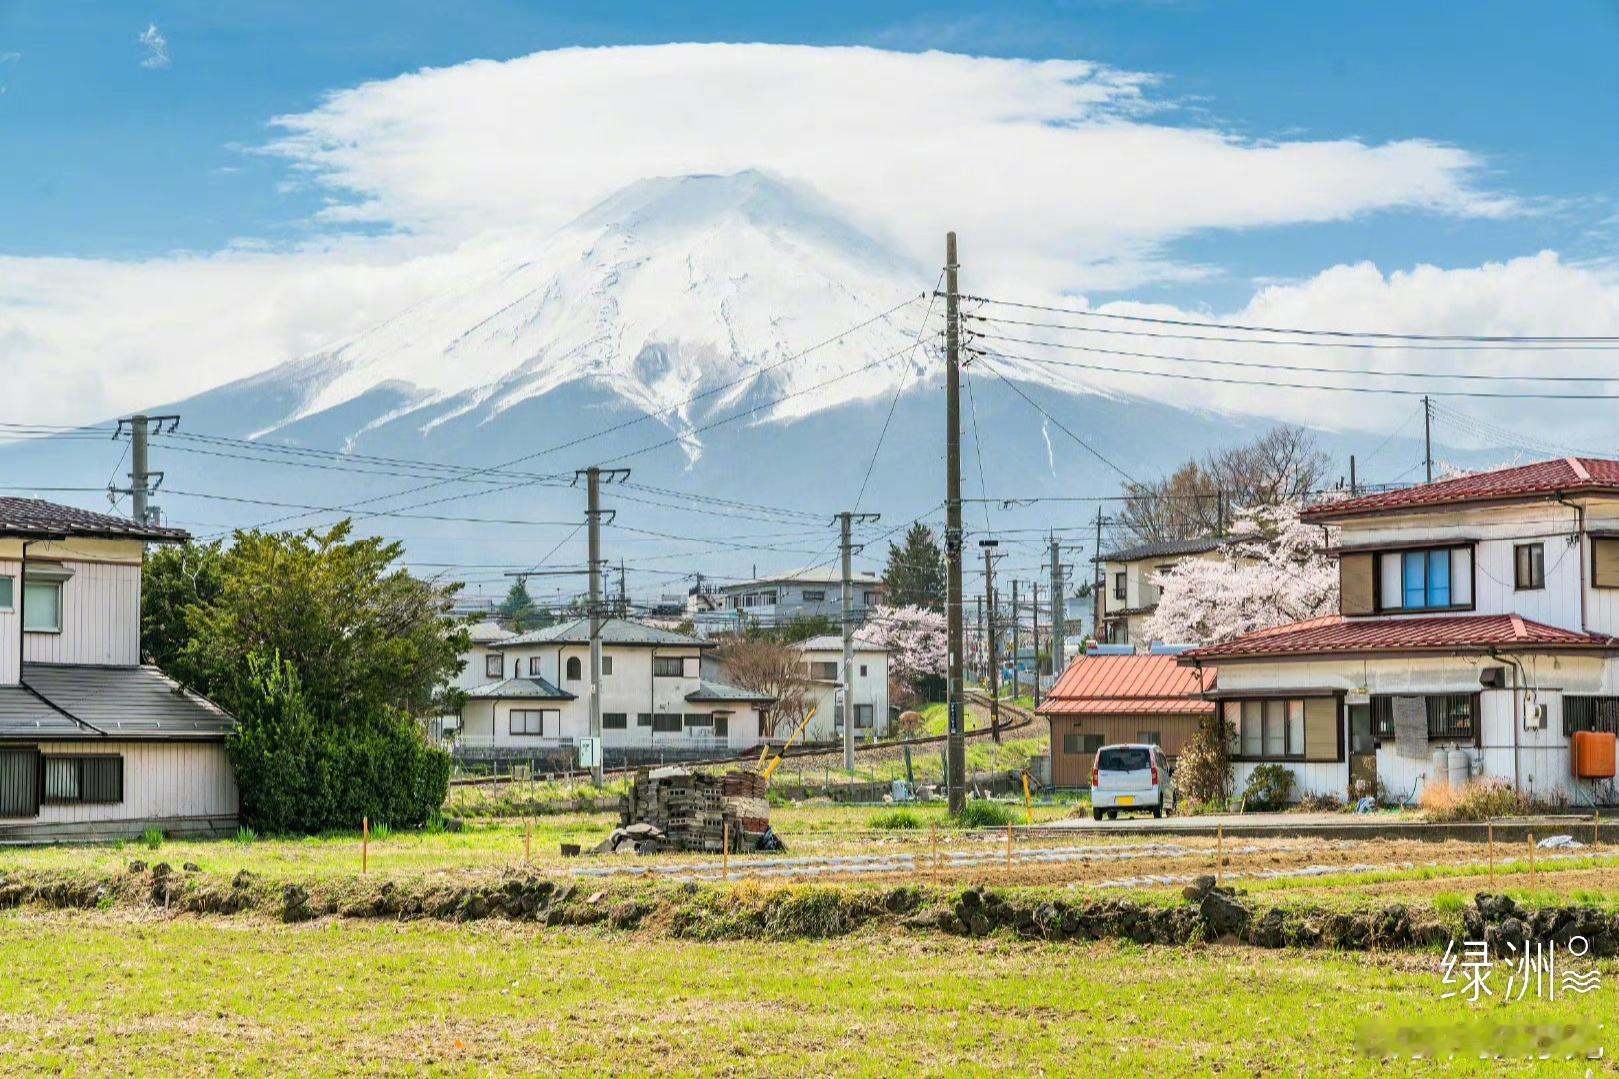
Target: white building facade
[1478, 633]
[823, 671]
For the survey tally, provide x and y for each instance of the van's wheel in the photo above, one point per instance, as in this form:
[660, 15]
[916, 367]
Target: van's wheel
[1096, 814]
[1157, 812]
[1113, 814]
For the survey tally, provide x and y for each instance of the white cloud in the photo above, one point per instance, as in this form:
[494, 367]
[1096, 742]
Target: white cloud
[1056, 175]
[1055, 161]
[156, 45]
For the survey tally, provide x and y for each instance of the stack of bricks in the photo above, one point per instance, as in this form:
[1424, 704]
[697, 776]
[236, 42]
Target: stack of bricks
[692, 809]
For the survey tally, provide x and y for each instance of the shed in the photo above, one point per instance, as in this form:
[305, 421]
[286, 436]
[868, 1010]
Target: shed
[1102, 700]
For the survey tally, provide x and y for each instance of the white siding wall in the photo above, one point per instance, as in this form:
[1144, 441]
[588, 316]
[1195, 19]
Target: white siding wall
[101, 604]
[872, 689]
[161, 780]
[1309, 777]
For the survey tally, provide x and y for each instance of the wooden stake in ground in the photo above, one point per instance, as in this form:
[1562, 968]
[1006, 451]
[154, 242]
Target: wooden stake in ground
[1219, 853]
[1009, 844]
[365, 842]
[1028, 799]
[528, 839]
[725, 854]
[1531, 860]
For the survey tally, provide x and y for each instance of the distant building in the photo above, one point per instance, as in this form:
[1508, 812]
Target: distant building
[1129, 596]
[808, 593]
[1105, 700]
[823, 667]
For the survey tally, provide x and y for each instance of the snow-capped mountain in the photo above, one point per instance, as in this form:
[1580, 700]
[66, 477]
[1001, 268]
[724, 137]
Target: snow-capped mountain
[668, 289]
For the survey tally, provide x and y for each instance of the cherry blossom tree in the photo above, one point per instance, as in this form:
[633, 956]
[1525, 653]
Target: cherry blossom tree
[917, 642]
[1280, 573]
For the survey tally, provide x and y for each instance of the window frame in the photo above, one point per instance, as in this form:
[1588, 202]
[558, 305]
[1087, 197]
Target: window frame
[1287, 703]
[1382, 706]
[77, 761]
[29, 608]
[1536, 551]
[1603, 712]
[535, 666]
[573, 670]
[1380, 602]
[615, 721]
[494, 666]
[1121, 586]
[8, 602]
[668, 723]
[542, 713]
[1597, 541]
[679, 663]
[814, 595]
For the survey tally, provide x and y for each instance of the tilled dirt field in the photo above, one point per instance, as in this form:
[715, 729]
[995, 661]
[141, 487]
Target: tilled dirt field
[1120, 865]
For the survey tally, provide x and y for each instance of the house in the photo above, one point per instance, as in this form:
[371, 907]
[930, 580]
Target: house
[656, 705]
[1128, 596]
[823, 667]
[1106, 699]
[807, 593]
[1477, 632]
[94, 744]
[483, 663]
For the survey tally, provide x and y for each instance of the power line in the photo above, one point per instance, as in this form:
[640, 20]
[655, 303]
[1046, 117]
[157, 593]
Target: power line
[1092, 450]
[1373, 334]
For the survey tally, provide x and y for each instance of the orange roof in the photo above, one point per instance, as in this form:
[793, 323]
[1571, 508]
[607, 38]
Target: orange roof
[1129, 685]
[1333, 633]
[1542, 479]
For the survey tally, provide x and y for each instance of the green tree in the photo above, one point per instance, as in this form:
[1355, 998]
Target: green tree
[914, 576]
[174, 579]
[360, 636]
[518, 609]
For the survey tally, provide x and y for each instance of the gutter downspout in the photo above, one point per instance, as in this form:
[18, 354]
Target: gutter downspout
[1517, 716]
[22, 613]
[1579, 538]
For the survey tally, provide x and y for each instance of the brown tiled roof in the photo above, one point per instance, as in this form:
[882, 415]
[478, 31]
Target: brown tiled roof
[1565, 475]
[36, 517]
[1129, 685]
[1335, 634]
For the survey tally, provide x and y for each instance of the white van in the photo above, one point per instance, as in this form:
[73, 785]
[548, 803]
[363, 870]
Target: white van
[1130, 776]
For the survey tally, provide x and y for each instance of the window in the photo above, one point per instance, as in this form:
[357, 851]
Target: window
[615, 721]
[493, 666]
[722, 724]
[607, 666]
[698, 719]
[666, 723]
[871, 599]
[89, 779]
[1120, 759]
[814, 596]
[1152, 738]
[643, 719]
[574, 669]
[19, 783]
[862, 670]
[667, 667]
[5, 594]
[1529, 566]
[863, 717]
[532, 721]
[823, 670]
[534, 668]
[42, 606]
[1590, 714]
[1425, 579]
[1081, 743]
[1605, 561]
[1450, 715]
[1120, 585]
[1274, 729]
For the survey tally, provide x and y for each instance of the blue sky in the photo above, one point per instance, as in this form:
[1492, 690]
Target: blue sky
[113, 159]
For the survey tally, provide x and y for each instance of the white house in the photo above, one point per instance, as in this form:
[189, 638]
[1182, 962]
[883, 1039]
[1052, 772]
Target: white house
[823, 667]
[1478, 628]
[1129, 595]
[94, 744]
[483, 661]
[535, 700]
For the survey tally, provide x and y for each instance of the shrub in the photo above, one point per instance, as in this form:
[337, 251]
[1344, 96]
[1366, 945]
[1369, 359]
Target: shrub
[897, 819]
[982, 813]
[1203, 772]
[303, 773]
[380, 830]
[246, 835]
[1270, 786]
[1479, 800]
[152, 838]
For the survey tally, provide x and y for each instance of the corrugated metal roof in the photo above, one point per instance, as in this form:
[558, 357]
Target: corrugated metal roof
[719, 691]
[810, 575]
[24, 715]
[36, 517]
[1442, 633]
[487, 632]
[831, 642]
[125, 702]
[1566, 475]
[532, 689]
[1139, 684]
[614, 631]
[1161, 548]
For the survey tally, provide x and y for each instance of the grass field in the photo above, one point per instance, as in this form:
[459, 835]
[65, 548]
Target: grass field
[118, 994]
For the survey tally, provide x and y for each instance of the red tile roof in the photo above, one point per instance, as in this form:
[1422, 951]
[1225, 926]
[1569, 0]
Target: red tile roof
[1335, 634]
[1129, 685]
[1566, 475]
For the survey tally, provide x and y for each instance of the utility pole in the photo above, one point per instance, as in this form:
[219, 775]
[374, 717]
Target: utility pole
[1034, 635]
[846, 521]
[955, 748]
[994, 645]
[1059, 611]
[143, 482]
[623, 592]
[1017, 652]
[1352, 490]
[1427, 434]
[1097, 582]
[979, 651]
[594, 477]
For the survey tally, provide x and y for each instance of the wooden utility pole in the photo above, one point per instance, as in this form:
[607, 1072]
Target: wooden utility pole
[846, 521]
[993, 645]
[955, 747]
[1017, 650]
[1059, 611]
[1034, 635]
[1427, 435]
[594, 477]
[1097, 582]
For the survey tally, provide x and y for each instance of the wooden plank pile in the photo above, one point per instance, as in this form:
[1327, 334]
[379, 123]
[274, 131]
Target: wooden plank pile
[692, 809]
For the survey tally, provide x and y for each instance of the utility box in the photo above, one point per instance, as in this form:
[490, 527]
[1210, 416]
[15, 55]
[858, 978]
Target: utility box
[1593, 754]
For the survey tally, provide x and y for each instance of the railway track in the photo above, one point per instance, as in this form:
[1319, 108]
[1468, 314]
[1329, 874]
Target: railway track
[1013, 718]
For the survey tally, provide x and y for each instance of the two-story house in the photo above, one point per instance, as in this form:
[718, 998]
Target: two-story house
[808, 593]
[1129, 595]
[94, 744]
[655, 704]
[1478, 630]
[823, 670]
